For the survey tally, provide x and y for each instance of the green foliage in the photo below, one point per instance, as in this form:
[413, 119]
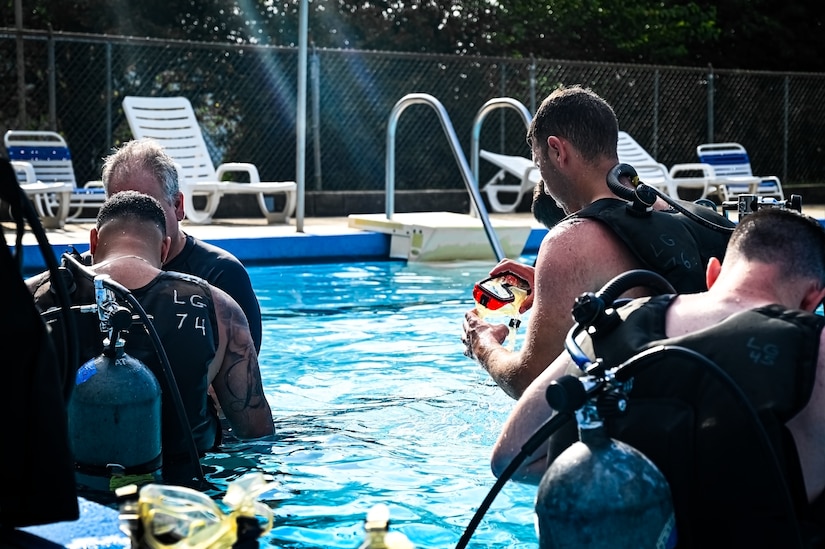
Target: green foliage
[632, 31]
[748, 34]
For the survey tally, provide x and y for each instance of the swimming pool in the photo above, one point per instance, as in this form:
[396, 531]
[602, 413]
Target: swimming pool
[374, 402]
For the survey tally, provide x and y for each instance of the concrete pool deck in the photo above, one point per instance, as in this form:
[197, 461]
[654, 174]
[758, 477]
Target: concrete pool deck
[253, 241]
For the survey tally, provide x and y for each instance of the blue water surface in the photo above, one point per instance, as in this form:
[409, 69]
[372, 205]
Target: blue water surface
[374, 402]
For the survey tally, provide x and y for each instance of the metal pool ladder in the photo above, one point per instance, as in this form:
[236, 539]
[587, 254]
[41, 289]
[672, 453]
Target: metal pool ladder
[440, 236]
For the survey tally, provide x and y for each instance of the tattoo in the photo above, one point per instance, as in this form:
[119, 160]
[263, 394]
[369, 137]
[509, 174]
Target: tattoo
[241, 374]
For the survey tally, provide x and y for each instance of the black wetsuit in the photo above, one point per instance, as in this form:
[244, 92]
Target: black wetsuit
[183, 314]
[728, 489]
[666, 242]
[223, 270]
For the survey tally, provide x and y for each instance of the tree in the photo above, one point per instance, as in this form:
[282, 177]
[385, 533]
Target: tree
[746, 34]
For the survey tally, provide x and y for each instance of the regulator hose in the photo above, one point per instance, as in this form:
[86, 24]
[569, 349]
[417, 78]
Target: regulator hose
[542, 433]
[22, 209]
[643, 196]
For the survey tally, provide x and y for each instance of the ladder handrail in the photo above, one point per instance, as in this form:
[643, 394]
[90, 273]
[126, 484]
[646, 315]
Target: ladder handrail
[487, 108]
[469, 180]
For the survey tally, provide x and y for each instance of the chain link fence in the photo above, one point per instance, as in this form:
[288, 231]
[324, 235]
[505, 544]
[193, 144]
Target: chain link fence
[245, 99]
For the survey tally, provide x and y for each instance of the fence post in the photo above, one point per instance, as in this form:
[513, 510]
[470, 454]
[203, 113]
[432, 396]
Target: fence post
[532, 84]
[656, 78]
[109, 137]
[711, 92]
[315, 81]
[52, 72]
[501, 93]
[786, 133]
[21, 66]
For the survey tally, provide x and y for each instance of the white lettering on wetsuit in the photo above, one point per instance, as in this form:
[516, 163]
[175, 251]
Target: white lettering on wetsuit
[194, 300]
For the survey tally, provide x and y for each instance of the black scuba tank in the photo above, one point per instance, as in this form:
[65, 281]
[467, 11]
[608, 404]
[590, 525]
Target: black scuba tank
[601, 492]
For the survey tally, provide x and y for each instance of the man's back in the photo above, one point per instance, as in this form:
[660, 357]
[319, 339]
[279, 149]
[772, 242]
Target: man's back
[199, 328]
[183, 316]
[717, 430]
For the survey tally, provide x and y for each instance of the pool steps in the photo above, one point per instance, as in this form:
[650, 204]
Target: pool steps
[444, 236]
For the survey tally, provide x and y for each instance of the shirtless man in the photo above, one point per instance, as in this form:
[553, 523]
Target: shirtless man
[573, 138]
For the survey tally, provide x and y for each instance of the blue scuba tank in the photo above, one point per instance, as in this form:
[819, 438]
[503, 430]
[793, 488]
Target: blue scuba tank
[115, 421]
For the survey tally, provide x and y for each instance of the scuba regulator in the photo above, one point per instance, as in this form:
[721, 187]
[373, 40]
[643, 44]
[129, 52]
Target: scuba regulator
[642, 197]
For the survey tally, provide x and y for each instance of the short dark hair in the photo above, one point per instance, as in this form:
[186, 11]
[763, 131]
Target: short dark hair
[778, 235]
[132, 205]
[582, 117]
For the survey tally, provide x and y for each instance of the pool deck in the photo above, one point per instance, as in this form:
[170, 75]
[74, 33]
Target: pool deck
[321, 238]
[253, 241]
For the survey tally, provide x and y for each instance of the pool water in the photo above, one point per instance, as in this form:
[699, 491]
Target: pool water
[374, 402]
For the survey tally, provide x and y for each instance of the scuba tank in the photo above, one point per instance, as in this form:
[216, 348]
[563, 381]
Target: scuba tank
[601, 491]
[115, 410]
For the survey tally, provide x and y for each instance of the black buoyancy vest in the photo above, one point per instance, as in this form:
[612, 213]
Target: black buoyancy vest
[666, 242]
[183, 315]
[729, 490]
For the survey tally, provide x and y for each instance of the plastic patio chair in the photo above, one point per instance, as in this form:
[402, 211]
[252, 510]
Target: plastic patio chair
[651, 172]
[43, 164]
[171, 122]
[733, 174]
[518, 166]
[656, 174]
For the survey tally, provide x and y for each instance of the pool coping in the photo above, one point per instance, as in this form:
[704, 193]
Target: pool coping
[309, 240]
[254, 242]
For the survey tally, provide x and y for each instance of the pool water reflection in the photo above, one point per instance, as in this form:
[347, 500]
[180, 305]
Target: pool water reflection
[374, 402]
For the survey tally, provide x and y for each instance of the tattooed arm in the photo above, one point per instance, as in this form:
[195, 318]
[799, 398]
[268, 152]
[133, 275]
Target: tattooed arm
[234, 373]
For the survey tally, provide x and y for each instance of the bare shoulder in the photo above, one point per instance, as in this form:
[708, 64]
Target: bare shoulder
[584, 243]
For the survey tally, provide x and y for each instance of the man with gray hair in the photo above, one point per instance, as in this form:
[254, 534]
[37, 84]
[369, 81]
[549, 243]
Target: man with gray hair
[142, 165]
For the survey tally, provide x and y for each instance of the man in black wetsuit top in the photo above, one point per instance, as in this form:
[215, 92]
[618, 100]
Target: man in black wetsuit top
[202, 329]
[143, 166]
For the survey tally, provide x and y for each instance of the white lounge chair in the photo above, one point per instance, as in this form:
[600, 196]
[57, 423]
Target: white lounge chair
[656, 174]
[519, 166]
[733, 174]
[651, 172]
[171, 121]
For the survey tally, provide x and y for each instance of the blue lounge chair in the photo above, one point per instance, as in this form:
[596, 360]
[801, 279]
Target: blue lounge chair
[42, 159]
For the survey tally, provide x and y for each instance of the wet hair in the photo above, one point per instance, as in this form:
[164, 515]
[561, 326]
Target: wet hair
[787, 237]
[132, 206]
[139, 156]
[580, 116]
